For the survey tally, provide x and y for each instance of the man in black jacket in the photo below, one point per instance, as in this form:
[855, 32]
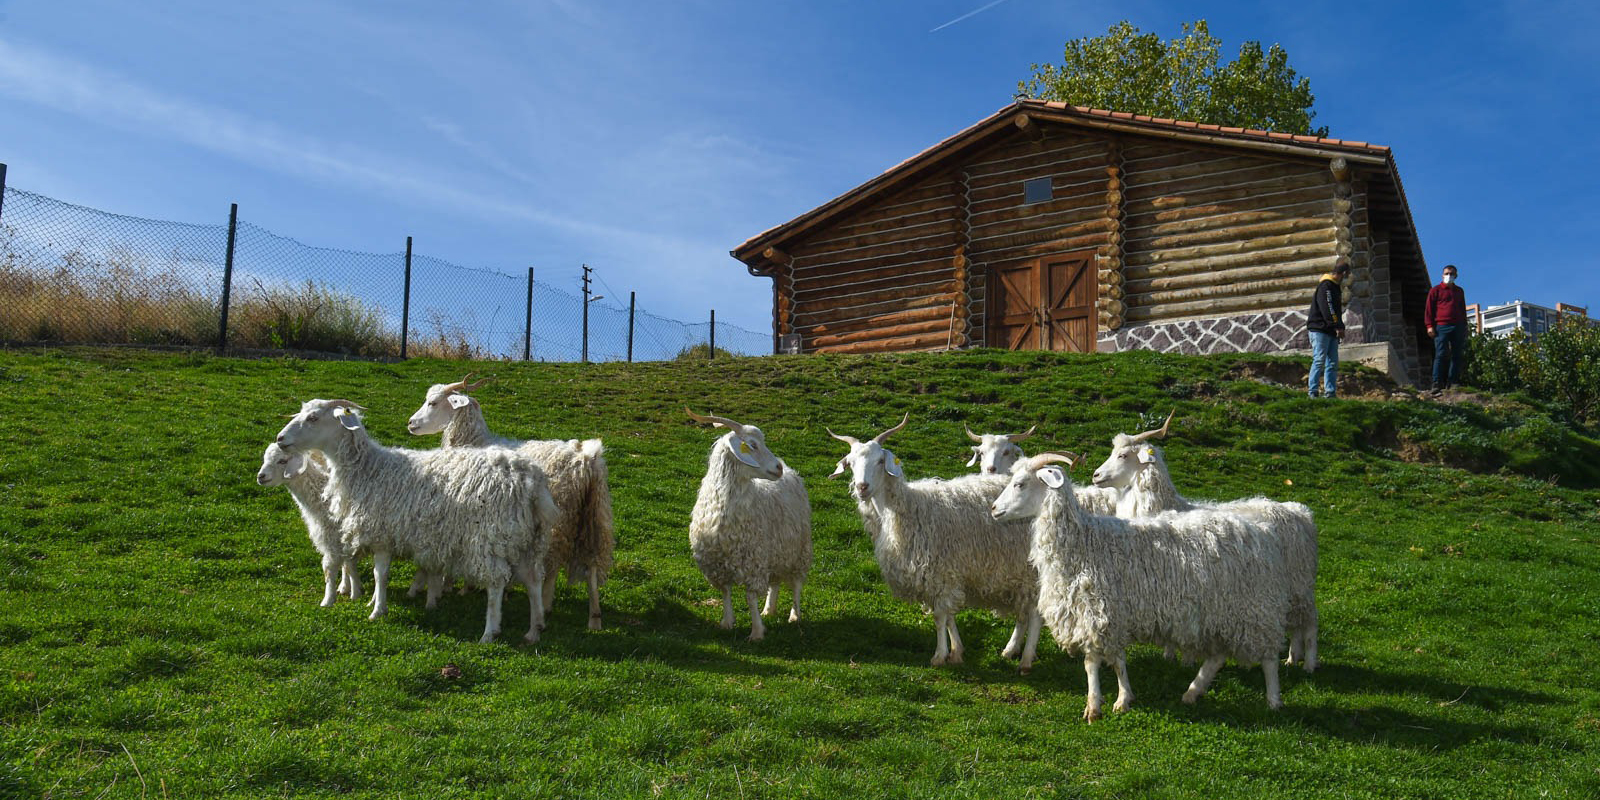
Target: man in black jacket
[1325, 324]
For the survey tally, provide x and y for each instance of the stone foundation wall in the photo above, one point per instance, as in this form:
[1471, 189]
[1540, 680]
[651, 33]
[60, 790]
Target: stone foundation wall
[1265, 332]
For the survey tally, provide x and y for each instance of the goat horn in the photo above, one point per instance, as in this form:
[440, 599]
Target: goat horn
[723, 421]
[849, 440]
[973, 436]
[459, 385]
[1017, 437]
[1158, 433]
[463, 386]
[345, 404]
[903, 420]
[1071, 459]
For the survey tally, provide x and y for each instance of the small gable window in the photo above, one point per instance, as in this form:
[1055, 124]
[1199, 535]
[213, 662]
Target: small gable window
[1036, 190]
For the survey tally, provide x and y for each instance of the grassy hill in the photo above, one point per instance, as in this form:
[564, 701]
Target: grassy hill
[160, 634]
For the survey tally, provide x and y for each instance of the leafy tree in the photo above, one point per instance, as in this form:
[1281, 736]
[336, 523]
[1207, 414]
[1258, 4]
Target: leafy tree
[1126, 70]
[1561, 367]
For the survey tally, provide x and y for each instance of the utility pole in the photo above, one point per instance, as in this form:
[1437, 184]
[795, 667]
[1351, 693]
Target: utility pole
[587, 299]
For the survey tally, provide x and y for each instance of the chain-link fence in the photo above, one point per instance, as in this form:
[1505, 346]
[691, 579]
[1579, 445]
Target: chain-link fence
[79, 275]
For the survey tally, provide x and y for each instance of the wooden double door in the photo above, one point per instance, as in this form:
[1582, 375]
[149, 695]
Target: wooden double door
[1046, 303]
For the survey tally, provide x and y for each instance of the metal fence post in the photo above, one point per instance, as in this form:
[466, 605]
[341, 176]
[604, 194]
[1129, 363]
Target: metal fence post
[527, 330]
[405, 305]
[2, 189]
[631, 296]
[227, 276]
[713, 333]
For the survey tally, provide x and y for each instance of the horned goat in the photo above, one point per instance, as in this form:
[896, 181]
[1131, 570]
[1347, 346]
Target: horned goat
[1137, 470]
[995, 453]
[305, 477]
[751, 524]
[1207, 583]
[483, 514]
[583, 538]
[937, 545]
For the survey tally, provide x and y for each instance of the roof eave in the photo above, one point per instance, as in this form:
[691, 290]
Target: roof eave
[752, 251]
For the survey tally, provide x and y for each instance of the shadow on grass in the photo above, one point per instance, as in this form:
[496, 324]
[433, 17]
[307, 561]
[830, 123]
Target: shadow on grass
[1237, 700]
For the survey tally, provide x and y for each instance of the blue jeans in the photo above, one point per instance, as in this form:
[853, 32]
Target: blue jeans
[1449, 351]
[1324, 363]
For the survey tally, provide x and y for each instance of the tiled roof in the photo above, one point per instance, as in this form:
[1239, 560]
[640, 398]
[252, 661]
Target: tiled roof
[1186, 125]
[1156, 126]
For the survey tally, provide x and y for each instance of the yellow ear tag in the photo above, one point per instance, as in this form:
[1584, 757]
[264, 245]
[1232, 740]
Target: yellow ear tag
[744, 447]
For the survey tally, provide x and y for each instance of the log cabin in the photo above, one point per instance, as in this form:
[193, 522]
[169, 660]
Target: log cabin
[1055, 227]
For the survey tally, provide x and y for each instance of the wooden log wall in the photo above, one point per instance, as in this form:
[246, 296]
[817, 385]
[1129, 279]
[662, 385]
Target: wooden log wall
[1004, 229]
[1208, 232]
[1111, 255]
[887, 278]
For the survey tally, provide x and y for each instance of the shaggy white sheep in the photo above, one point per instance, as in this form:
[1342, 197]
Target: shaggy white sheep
[936, 545]
[305, 477]
[1137, 470]
[751, 524]
[1209, 584]
[483, 514]
[583, 539]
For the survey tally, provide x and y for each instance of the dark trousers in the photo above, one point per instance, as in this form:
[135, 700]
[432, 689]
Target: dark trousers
[1449, 352]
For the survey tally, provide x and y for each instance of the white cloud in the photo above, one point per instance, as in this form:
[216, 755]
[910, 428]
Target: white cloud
[76, 88]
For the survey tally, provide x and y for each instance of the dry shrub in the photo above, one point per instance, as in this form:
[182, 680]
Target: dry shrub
[309, 316]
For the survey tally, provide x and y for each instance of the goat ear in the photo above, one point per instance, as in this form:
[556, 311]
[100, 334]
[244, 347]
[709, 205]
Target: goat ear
[297, 464]
[347, 418]
[838, 469]
[891, 464]
[974, 460]
[1053, 477]
[459, 400]
[742, 450]
[1147, 455]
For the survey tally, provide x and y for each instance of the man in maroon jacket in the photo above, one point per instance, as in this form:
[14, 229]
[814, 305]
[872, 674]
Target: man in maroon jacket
[1446, 317]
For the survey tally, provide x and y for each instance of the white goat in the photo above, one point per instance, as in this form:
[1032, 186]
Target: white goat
[937, 545]
[481, 513]
[305, 477]
[583, 539]
[1209, 584]
[1137, 470]
[994, 453]
[751, 523]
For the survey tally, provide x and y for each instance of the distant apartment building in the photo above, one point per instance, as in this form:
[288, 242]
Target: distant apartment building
[1529, 318]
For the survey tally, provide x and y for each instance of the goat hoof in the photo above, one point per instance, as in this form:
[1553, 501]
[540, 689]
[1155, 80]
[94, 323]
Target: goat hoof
[594, 623]
[1091, 713]
[1191, 696]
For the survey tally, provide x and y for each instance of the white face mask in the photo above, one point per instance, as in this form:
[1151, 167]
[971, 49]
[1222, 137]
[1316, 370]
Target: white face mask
[1449, 279]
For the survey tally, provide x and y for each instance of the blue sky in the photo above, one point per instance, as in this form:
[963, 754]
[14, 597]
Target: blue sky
[647, 139]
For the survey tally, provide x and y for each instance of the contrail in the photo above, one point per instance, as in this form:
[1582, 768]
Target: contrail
[968, 15]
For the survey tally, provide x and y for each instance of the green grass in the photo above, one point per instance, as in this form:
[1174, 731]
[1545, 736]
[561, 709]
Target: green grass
[160, 634]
